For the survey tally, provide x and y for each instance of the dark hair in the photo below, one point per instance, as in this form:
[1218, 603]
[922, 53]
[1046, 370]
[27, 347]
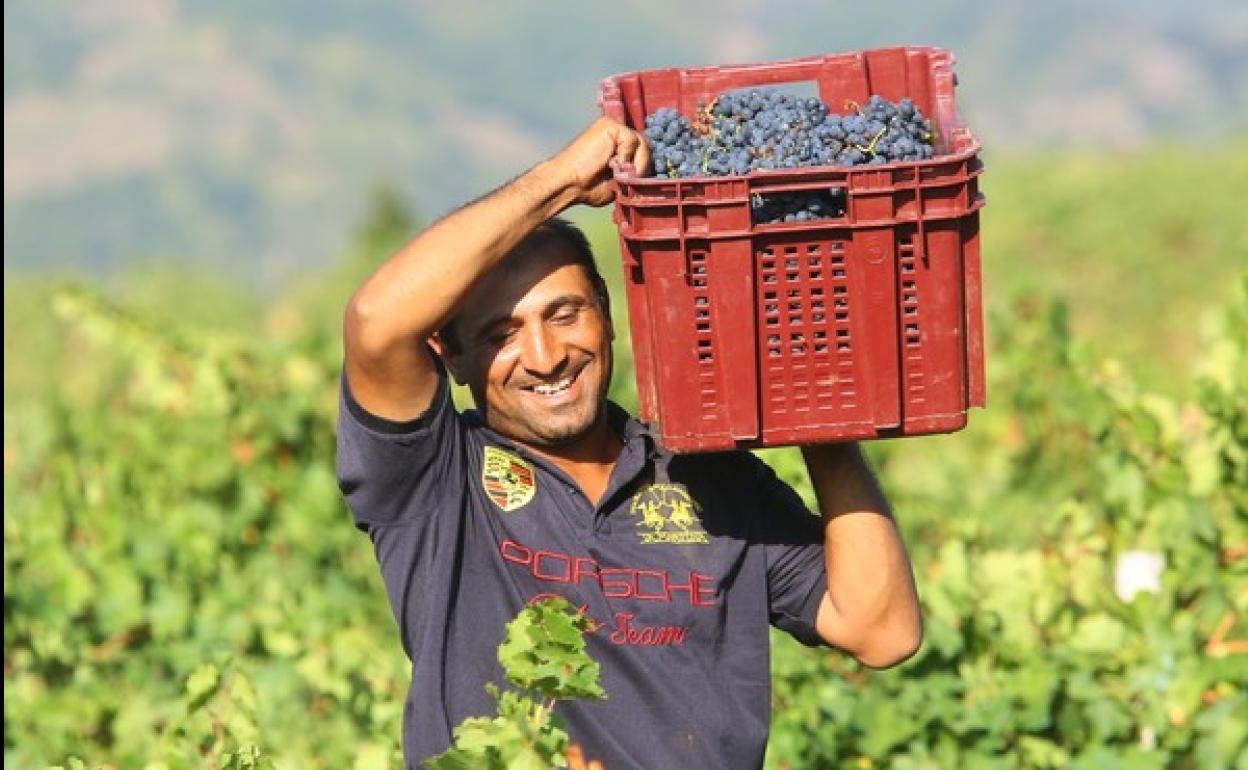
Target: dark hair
[555, 230]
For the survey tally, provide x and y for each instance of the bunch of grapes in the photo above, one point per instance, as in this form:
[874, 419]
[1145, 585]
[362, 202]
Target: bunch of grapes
[768, 129]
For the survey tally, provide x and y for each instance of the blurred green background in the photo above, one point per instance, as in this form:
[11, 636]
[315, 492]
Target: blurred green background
[193, 190]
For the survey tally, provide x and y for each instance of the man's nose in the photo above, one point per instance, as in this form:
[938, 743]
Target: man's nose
[543, 353]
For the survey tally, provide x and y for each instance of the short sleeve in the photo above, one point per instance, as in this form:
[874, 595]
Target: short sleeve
[386, 468]
[793, 543]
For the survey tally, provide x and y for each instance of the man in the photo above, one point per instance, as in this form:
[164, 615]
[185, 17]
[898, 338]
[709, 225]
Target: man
[681, 561]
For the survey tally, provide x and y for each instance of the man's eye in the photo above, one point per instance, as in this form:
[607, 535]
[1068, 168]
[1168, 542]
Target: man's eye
[564, 317]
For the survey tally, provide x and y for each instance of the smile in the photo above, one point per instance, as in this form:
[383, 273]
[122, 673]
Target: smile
[556, 388]
[550, 390]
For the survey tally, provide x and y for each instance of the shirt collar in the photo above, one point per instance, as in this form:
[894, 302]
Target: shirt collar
[628, 428]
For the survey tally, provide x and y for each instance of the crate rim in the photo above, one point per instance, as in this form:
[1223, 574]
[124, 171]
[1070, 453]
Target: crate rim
[943, 59]
[625, 173]
[610, 82]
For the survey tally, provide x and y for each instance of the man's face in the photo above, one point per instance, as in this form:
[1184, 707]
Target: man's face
[536, 348]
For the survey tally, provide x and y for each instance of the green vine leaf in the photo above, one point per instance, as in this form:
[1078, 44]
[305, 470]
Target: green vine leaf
[543, 653]
[544, 650]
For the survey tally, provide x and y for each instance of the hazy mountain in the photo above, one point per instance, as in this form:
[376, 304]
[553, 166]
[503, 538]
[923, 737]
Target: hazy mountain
[245, 134]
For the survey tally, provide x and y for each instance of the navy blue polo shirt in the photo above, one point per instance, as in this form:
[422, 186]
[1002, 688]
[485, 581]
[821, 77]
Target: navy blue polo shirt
[682, 566]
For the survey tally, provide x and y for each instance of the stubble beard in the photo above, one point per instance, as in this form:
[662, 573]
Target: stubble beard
[557, 433]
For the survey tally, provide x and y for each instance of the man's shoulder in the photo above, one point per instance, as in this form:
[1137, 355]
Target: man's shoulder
[733, 462]
[439, 415]
[730, 477]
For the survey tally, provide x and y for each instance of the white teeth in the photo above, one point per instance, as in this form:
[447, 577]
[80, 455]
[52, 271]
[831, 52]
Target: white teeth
[553, 388]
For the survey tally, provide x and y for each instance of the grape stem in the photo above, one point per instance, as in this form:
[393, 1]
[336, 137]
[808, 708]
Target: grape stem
[870, 148]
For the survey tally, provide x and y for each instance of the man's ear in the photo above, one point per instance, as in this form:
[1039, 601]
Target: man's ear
[452, 361]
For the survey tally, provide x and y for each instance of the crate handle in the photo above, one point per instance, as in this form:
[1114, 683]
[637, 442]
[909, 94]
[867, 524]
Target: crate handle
[775, 186]
[744, 76]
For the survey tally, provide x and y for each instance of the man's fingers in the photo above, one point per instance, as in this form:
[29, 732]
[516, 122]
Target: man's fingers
[639, 154]
[630, 146]
[591, 159]
[627, 145]
[641, 160]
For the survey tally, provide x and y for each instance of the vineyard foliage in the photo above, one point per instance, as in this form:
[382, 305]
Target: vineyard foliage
[183, 588]
[543, 655]
[1116, 638]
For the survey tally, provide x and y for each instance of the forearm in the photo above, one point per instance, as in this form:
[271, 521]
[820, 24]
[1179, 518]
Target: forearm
[872, 608]
[399, 308]
[417, 290]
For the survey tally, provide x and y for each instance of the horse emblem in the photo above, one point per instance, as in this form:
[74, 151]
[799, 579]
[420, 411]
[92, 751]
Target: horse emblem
[667, 514]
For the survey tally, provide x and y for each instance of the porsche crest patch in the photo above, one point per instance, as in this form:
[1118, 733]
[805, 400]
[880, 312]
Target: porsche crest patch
[508, 480]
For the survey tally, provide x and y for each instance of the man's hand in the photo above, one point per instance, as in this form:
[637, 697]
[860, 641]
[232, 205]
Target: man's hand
[587, 162]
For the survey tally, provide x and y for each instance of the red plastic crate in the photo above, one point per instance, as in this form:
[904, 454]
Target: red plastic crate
[868, 325]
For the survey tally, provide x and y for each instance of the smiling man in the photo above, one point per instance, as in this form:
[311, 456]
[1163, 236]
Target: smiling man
[539, 341]
[682, 562]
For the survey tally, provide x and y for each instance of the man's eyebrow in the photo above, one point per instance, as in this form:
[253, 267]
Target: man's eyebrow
[563, 300]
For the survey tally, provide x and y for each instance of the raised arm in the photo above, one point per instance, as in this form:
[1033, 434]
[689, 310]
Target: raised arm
[871, 609]
[391, 317]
